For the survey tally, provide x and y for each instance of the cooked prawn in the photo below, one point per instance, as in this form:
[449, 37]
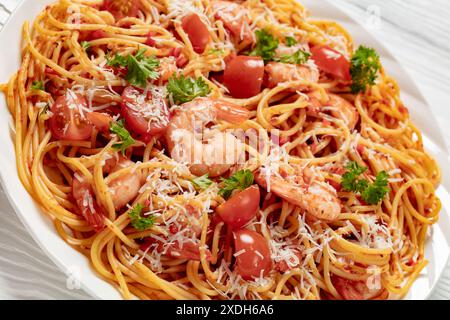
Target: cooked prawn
[235, 19]
[306, 191]
[353, 290]
[278, 72]
[191, 140]
[123, 190]
[126, 187]
[167, 67]
[337, 106]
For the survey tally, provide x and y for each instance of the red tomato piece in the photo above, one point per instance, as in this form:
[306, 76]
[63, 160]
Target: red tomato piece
[144, 114]
[241, 208]
[197, 32]
[244, 76]
[122, 8]
[97, 34]
[67, 121]
[253, 254]
[332, 62]
[99, 120]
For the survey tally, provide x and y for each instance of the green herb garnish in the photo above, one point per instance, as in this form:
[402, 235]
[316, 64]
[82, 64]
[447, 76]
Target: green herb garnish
[266, 45]
[85, 45]
[138, 221]
[202, 182]
[139, 67]
[240, 180]
[37, 85]
[370, 193]
[299, 57]
[124, 135]
[183, 90]
[365, 65]
[290, 41]
[375, 192]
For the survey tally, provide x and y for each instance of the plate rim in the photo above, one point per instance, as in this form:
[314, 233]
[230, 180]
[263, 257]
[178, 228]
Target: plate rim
[87, 286]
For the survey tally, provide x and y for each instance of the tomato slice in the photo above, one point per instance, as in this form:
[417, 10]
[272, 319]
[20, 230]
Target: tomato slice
[241, 208]
[99, 120]
[144, 114]
[332, 62]
[67, 122]
[121, 8]
[84, 196]
[244, 76]
[197, 32]
[253, 254]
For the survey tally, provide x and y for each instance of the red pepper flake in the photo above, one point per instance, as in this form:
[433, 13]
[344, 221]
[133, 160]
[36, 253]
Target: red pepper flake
[173, 229]
[360, 148]
[97, 34]
[336, 185]
[150, 41]
[50, 71]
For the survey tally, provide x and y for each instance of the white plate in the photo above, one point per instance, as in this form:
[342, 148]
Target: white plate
[72, 262]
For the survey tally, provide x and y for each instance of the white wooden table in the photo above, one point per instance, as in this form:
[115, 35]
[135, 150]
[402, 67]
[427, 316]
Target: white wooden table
[416, 31]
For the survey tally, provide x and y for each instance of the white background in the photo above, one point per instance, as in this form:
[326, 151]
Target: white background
[416, 31]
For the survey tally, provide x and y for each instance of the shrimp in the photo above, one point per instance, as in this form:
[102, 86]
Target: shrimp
[353, 290]
[84, 196]
[191, 139]
[306, 191]
[235, 19]
[168, 67]
[278, 72]
[123, 190]
[338, 107]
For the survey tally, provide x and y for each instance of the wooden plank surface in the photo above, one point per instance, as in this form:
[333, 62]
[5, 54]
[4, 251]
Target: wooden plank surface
[416, 31]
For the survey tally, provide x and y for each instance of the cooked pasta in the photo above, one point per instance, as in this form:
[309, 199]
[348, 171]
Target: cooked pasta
[205, 149]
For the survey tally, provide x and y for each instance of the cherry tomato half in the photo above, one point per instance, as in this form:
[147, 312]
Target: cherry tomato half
[144, 114]
[331, 61]
[241, 208]
[243, 76]
[253, 259]
[99, 120]
[67, 123]
[121, 8]
[197, 32]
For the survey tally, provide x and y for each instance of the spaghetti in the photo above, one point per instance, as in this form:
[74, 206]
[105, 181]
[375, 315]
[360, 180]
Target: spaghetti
[333, 201]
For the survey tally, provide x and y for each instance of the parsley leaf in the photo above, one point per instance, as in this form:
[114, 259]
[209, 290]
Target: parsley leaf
[125, 136]
[138, 221]
[350, 180]
[240, 180]
[202, 182]
[139, 67]
[375, 192]
[37, 85]
[187, 89]
[299, 57]
[266, 45]
[290, 41]
[116, 61]
[370, 193]
[365, 65]
[216, 51]
[85, 45]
